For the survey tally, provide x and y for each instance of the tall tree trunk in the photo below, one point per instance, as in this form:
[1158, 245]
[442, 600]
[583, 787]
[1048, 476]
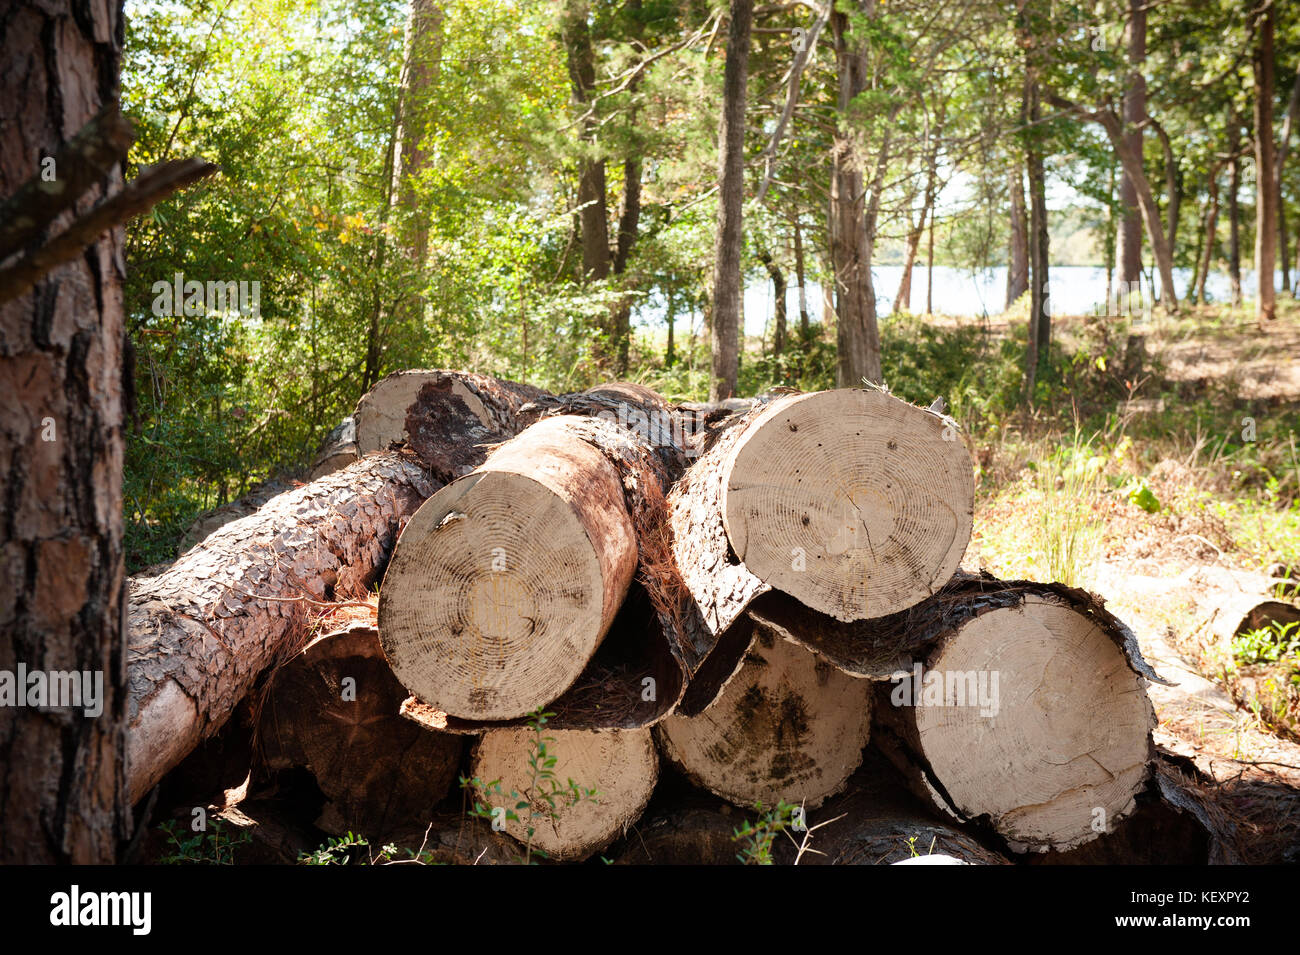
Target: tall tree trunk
[421, 65]
[1283, 150]
[727, 302]
[1234, 208]
[592, 216]
[1018, 251]
[1266, 193]
[903, 297]
[852, 226]
[1132, 165]
[62, 346]
[628, 223]
[1173, 185]
[1211, 226]
[1111, 228]
[1130, 232]
[1040, 319]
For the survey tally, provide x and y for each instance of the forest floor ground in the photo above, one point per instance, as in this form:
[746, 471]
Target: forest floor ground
[1192, 485]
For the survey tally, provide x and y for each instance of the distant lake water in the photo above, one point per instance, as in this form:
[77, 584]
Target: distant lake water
[1075, 289]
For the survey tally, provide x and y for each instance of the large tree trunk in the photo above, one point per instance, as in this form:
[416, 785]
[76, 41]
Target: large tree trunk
[1037, 680]
[1018, 249]
[62, 780]
[728, 330]
[621, 765]
[205, 631]
[334, 708]
[1135, 102]
[786, 727]
[1266, 190]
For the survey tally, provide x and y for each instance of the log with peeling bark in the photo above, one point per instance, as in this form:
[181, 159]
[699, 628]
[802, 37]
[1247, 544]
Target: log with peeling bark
[513, 587]
[620, 765]
[1027, 709]
[382, 413]
[853, 502]
[203, 632]
[334, 709]
[787, 726]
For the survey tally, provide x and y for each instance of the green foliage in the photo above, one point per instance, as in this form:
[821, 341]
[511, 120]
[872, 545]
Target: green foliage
[543, 798]
[352, 849]
[1267, 644]
[758, 836]
[213, 846]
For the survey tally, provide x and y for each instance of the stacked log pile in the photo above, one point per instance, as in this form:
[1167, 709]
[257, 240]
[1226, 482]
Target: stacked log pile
[763, 595]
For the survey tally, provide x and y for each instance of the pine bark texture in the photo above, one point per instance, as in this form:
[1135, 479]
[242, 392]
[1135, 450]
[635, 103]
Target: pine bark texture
[205, 631]
[62, 583]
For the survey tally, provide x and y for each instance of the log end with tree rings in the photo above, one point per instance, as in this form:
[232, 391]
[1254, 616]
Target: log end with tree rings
[504, 583]
[620, 765]
[1033, 718]
[787, 726]
[854, 502]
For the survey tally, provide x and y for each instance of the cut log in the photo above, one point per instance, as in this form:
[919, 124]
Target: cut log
[381, 415]
[854, 502]
[205, 630]
[338, 450]
[621, 765]
[786, 727]
[503, 592]
[505, 582]
[1028, 710]
[334, 709]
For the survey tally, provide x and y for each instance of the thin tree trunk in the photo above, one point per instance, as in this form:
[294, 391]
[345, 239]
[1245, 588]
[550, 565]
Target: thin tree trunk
[1040, 322]
[1266, 193]
[62, 583]
[903, 297]
[779, 287]
[1111, 227]
[670, 357]
[1211, 228]
[592, 216]
[1283, 150]
[1018, 265]
[1130, 234]
[805, 330]
[1234, 208]
[727, 302]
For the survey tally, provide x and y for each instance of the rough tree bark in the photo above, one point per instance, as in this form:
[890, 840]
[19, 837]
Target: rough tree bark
[1234, 207]
[203, 632]
[62, 584]
[728, 304]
